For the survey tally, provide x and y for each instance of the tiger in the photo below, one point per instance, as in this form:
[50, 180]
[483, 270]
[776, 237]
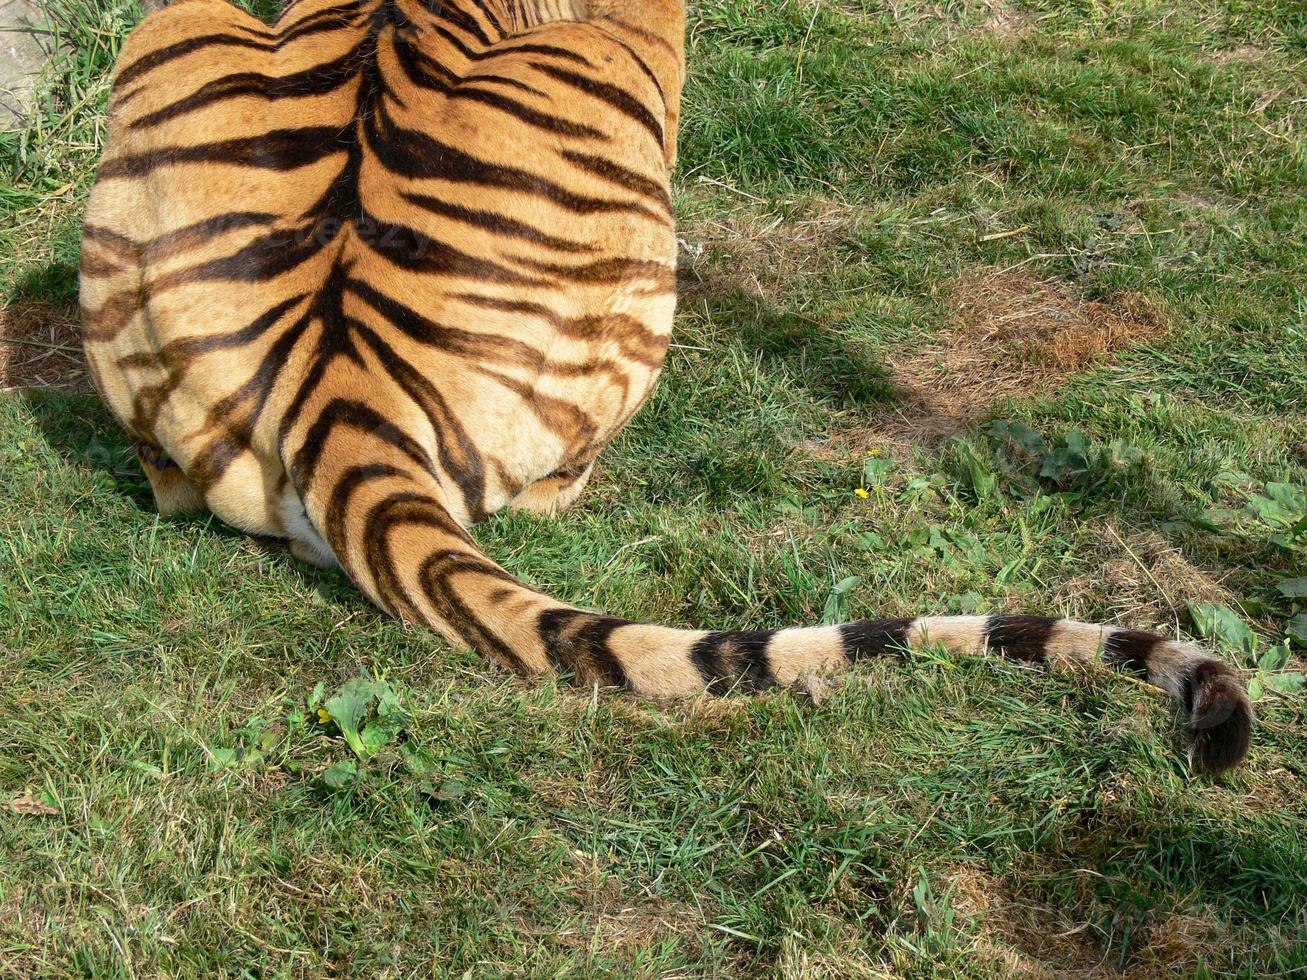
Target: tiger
[361, 277]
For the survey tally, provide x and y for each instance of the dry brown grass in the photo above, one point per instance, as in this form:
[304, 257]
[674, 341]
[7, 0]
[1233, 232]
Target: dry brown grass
[1002, 20]
[1012, 335]
[1143, 578]
[761, 252]
[41, 348]
[614, 914]
[1032, 940]
[1243, 54]
[1007, 23]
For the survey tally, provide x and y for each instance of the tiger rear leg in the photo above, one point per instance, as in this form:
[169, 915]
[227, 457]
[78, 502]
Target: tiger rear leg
[174, 491]
[556, 492]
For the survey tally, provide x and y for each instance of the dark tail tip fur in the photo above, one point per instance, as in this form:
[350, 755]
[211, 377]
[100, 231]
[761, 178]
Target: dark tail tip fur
[1221, 716]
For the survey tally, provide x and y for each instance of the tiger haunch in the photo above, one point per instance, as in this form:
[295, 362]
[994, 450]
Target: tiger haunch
[363, 277]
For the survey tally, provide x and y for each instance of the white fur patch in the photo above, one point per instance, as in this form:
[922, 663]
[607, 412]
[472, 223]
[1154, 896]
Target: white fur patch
[1075, 642]
[656, 659]
[311, 547]
[805, 652]
[957, 634]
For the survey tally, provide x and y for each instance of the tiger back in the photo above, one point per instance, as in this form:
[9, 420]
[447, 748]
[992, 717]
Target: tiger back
[366, 276]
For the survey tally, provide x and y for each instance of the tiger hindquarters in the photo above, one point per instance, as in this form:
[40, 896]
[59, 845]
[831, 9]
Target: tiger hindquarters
[388, 525]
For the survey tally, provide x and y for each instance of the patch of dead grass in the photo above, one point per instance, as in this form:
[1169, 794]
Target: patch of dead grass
[1142, 577]
[1018, 938]
[1032, 940]
[1007, 23]
[1002, 20]
[1243, 54]
[1012, 335]
[761, 252]
[41, 348]
[615, 916]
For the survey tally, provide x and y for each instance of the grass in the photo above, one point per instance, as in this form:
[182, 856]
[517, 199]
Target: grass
[871, 196]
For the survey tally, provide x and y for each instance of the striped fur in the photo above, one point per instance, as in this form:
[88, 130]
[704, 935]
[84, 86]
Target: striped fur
[366, 276]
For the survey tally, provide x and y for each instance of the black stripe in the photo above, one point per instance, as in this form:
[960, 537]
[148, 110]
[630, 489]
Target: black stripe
[495, 223]
[314, 80]
[501, 80]
[1130, 650]
[455, 449]
[264, 258]
[338, 503]
[178, 356]
[404, 509]
[874, 638]
[277, 149]
[734, 660]
[411, 153]
[611, 95]
[615, 173]
[202, 233]
[1023, 638]
[637, 341]
[185, 348]
[114, 242]
[607, 271]
[236, 427]
[451, 607]
[452, 340]
[482, 345]
[580, 642]
[328, 15]
[354, 415]
[500, 50]
[644, 67]
[419, 67]
[416, 251]
[318, 23]
[489, 15]
[462, 20]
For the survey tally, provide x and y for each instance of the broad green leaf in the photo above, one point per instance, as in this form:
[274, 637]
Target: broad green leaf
[1288, 495]
[1255, 689]
[448, 790]
[1294, 588]
[1297, 629]
[1274, 659]
[222, 758]
[342, 775]
[875, 471]
[1220, 623]
[982, 478]
[375, 736]
[837, 602]
[1290, 683]
[1024, 436]
[349, 706]
[1077, 443]
[1283, 506]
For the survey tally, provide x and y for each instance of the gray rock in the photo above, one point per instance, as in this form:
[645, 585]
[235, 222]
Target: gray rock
[25, 47]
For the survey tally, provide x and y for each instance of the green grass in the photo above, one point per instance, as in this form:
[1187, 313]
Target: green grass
[845, 166]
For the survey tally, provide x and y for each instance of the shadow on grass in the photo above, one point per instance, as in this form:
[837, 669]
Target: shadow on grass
[829, 363]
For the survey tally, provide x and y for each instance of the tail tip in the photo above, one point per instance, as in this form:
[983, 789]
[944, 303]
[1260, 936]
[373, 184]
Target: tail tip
[1221, 717]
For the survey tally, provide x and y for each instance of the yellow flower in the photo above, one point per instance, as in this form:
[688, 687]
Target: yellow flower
[324, 716]
[862, 492]
[873, 453]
